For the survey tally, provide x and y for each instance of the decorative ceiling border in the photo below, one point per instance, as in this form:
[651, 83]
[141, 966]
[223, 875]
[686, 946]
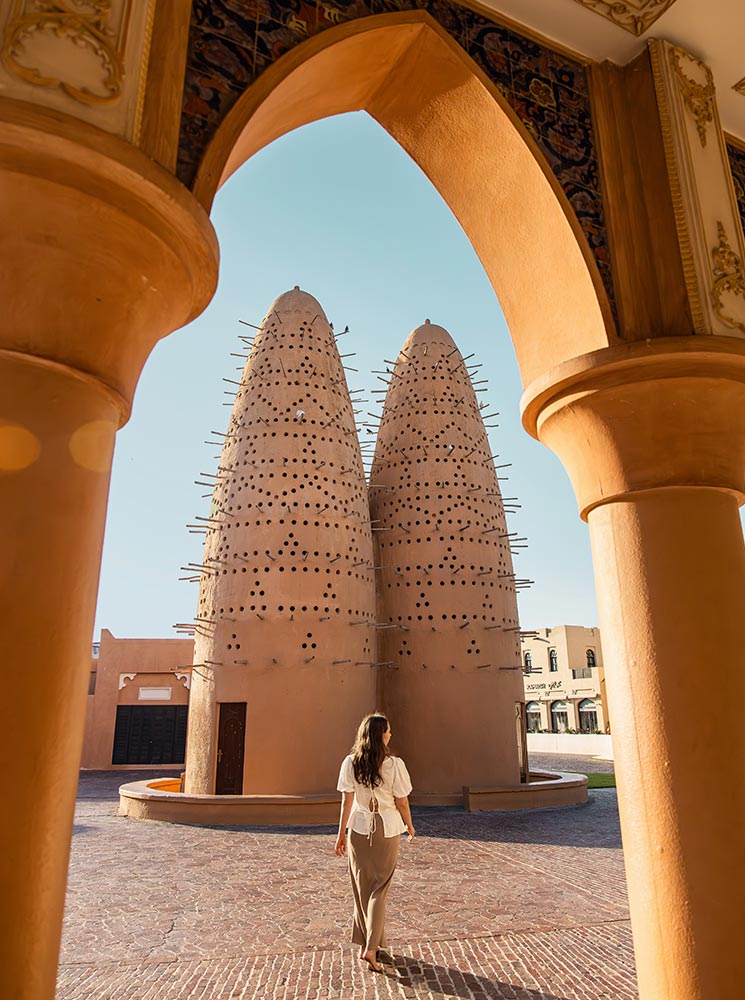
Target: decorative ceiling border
[736, 155]
[636, 16]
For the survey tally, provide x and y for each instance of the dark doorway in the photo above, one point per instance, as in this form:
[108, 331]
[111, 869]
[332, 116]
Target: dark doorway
[231, 739]
[150, 734]
[521, 728]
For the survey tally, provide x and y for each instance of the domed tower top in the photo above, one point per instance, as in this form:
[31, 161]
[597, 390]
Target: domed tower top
[426, 334]
[296, 301]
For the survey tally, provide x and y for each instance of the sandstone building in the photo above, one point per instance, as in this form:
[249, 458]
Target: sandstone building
[138, 701]
[302, 624]
[449, 645]
[138, 694]
[284, 631]
[564, 680]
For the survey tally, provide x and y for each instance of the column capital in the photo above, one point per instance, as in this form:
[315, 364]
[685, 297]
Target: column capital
[102, 251]
[662, 413]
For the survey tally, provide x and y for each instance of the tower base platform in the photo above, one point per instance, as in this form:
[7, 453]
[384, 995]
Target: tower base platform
[160, 799]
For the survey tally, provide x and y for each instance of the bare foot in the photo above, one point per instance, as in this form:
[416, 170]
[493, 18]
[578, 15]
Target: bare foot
[370, 958]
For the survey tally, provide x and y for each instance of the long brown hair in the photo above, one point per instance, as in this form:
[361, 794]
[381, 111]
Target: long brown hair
[369, 750]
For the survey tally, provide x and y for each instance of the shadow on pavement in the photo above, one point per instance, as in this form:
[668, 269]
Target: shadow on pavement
[593, 825]
[443, 981]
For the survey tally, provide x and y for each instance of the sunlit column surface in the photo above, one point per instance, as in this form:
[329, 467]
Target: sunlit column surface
[101, 253]
[654, 442]
[56, 443]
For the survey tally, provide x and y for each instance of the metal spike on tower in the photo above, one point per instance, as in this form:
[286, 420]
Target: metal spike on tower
[445, 584]
[285, 623]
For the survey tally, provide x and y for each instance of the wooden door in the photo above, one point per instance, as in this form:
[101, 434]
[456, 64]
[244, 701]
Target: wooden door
[231, 741]
[521, 727]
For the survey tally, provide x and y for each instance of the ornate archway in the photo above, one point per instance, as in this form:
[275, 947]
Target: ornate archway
[506, 158]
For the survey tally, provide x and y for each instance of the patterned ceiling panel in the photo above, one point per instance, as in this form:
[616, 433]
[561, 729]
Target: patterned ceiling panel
[636, 16]
[233, 41]
[737, 164]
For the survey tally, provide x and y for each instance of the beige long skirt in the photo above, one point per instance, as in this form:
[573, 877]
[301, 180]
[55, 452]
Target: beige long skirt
[371, 868]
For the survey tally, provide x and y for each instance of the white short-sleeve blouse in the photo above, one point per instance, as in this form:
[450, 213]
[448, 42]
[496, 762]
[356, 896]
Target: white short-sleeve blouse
[395, 784]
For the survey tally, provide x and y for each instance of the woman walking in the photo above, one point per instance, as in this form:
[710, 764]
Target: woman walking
[375, 787]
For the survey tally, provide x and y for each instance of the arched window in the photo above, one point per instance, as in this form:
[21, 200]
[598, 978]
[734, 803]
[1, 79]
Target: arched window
[533, 712]
[528, 661]
[590, 659]
[559, 717]
[588, 716]
[553, 661]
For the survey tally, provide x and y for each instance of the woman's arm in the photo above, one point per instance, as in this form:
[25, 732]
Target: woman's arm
[347, 800]
[403, 807]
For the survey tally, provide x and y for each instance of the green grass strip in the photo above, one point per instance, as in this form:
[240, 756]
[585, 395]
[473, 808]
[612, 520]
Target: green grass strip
[601, 781]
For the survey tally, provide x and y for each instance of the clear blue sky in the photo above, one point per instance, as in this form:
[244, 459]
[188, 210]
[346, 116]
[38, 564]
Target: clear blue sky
[339, 209]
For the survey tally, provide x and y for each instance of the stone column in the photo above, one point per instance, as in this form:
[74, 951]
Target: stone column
[600, 709]
[545, 704]
[573, 712]
[101, 253]
[653, 437]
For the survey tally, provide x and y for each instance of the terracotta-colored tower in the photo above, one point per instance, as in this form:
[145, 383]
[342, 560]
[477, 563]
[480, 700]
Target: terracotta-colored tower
[284, 651]
[451, 677]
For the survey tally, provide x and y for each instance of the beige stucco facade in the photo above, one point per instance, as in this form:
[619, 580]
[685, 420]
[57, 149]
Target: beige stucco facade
[564, 680]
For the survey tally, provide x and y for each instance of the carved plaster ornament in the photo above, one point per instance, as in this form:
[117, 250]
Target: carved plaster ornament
[728, 277]
[697, 94]
[66, 44]
[184, 678]
[123, 678]
[635, 16]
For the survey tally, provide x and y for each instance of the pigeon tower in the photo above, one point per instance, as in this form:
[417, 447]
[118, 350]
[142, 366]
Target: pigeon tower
[449, 642]
[284, 648]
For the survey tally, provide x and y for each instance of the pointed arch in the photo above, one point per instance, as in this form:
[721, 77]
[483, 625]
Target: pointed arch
[422, 88]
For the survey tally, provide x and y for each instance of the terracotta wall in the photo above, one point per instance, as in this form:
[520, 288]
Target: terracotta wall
[154, 663]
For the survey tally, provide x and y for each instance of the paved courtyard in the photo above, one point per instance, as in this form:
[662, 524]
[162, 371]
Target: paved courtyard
[530, 906]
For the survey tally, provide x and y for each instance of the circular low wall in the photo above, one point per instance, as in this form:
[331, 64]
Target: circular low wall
[161, 800]
[544, 790]
[151, 800]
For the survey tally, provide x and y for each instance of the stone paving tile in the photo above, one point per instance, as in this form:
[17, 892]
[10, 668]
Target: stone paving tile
[563, 762]
[524, 905]
[578, 964]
